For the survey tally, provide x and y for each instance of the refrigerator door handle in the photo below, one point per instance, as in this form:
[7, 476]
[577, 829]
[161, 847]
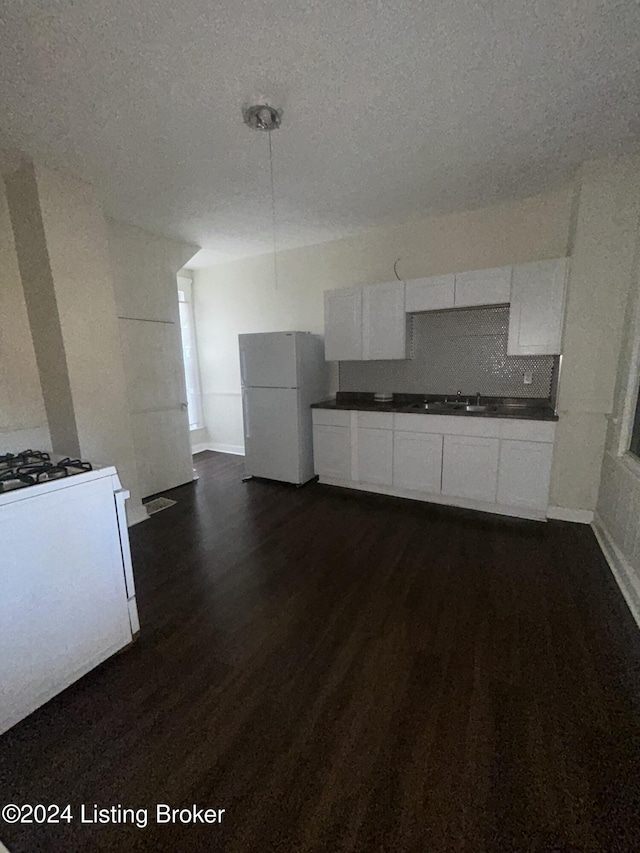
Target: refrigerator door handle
[245, 413]
[243, 367]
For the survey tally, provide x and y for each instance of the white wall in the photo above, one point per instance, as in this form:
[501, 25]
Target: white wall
[604, 243]
[241, 297]
[617, 521]
[144, 269]
[23, 420]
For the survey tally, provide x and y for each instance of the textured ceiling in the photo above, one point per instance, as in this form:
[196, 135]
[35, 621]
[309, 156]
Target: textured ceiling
[392, 110]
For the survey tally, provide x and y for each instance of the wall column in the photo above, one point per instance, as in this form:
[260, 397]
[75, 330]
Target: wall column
[63, 256]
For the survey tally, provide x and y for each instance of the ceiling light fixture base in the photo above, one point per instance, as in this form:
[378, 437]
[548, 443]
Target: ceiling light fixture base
[262, 117]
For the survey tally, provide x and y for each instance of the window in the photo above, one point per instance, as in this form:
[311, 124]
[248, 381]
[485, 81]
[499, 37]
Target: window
[190, 354]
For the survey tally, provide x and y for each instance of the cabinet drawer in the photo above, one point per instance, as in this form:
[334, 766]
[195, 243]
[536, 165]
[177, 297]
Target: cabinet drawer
[528, 430]
[375, 420]
[331, 417]
[449, 425]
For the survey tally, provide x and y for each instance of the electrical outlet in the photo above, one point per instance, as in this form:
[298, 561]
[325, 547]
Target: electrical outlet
[528, 377]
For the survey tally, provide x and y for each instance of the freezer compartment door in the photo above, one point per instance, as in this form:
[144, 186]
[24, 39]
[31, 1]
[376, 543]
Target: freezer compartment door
[268, 360]
[271, 433]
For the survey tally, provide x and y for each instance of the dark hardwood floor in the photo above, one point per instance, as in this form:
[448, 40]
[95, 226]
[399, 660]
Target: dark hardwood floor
[344, 672]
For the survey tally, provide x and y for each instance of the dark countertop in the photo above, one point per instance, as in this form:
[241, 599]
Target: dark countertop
[498, 407]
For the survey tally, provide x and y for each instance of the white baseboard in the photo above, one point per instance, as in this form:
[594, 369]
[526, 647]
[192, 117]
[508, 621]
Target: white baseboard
[561, 513]
[235, 449]
[621, 569]
[198, 448]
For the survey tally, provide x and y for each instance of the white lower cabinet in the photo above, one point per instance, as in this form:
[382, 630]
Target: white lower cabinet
[470, 467]
[374, 456]
[417, 461]
[524, 474]
[497, 465]
[332, 451]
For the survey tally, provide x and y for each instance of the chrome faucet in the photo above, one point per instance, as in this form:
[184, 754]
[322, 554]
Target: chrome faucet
[458, 399]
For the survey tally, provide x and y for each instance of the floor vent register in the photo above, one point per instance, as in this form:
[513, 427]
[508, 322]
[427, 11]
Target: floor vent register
[158, 504]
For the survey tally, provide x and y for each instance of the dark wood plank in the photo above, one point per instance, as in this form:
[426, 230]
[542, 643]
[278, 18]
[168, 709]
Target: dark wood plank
[349, 672]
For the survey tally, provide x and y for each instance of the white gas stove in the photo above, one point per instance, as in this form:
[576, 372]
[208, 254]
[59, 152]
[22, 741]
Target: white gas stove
[68, 595]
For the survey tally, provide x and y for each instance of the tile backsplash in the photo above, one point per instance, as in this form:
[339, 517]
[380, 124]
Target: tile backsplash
[460, 350]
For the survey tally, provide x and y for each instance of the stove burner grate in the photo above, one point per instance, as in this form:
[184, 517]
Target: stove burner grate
[31, 467]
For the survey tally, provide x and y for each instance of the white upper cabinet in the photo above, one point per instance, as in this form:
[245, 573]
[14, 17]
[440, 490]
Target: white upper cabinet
[343, 324]
[537, 308]
[384, 324]
[483, 287]
[430, 294]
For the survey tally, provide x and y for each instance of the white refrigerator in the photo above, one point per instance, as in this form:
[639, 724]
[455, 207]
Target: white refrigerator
[282, 374]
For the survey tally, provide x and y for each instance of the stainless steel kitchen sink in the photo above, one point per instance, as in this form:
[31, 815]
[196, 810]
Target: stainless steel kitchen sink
[444, 407]
[440, 406]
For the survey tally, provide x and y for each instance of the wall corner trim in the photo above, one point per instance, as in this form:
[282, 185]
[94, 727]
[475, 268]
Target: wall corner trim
[579, 516]
[622, 571]
[136, 514]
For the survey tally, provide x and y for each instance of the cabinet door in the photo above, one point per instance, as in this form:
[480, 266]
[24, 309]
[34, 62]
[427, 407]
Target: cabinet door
[343, 324]
[483, 287]
[524, 474]
[374, 455]
[417, 461]
[332, 451]
[470, 467]
[384, 325]
[429, 294]
[537, 308]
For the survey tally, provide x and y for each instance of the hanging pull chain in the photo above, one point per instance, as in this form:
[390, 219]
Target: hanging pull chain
[273, 215]
[267, 118]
